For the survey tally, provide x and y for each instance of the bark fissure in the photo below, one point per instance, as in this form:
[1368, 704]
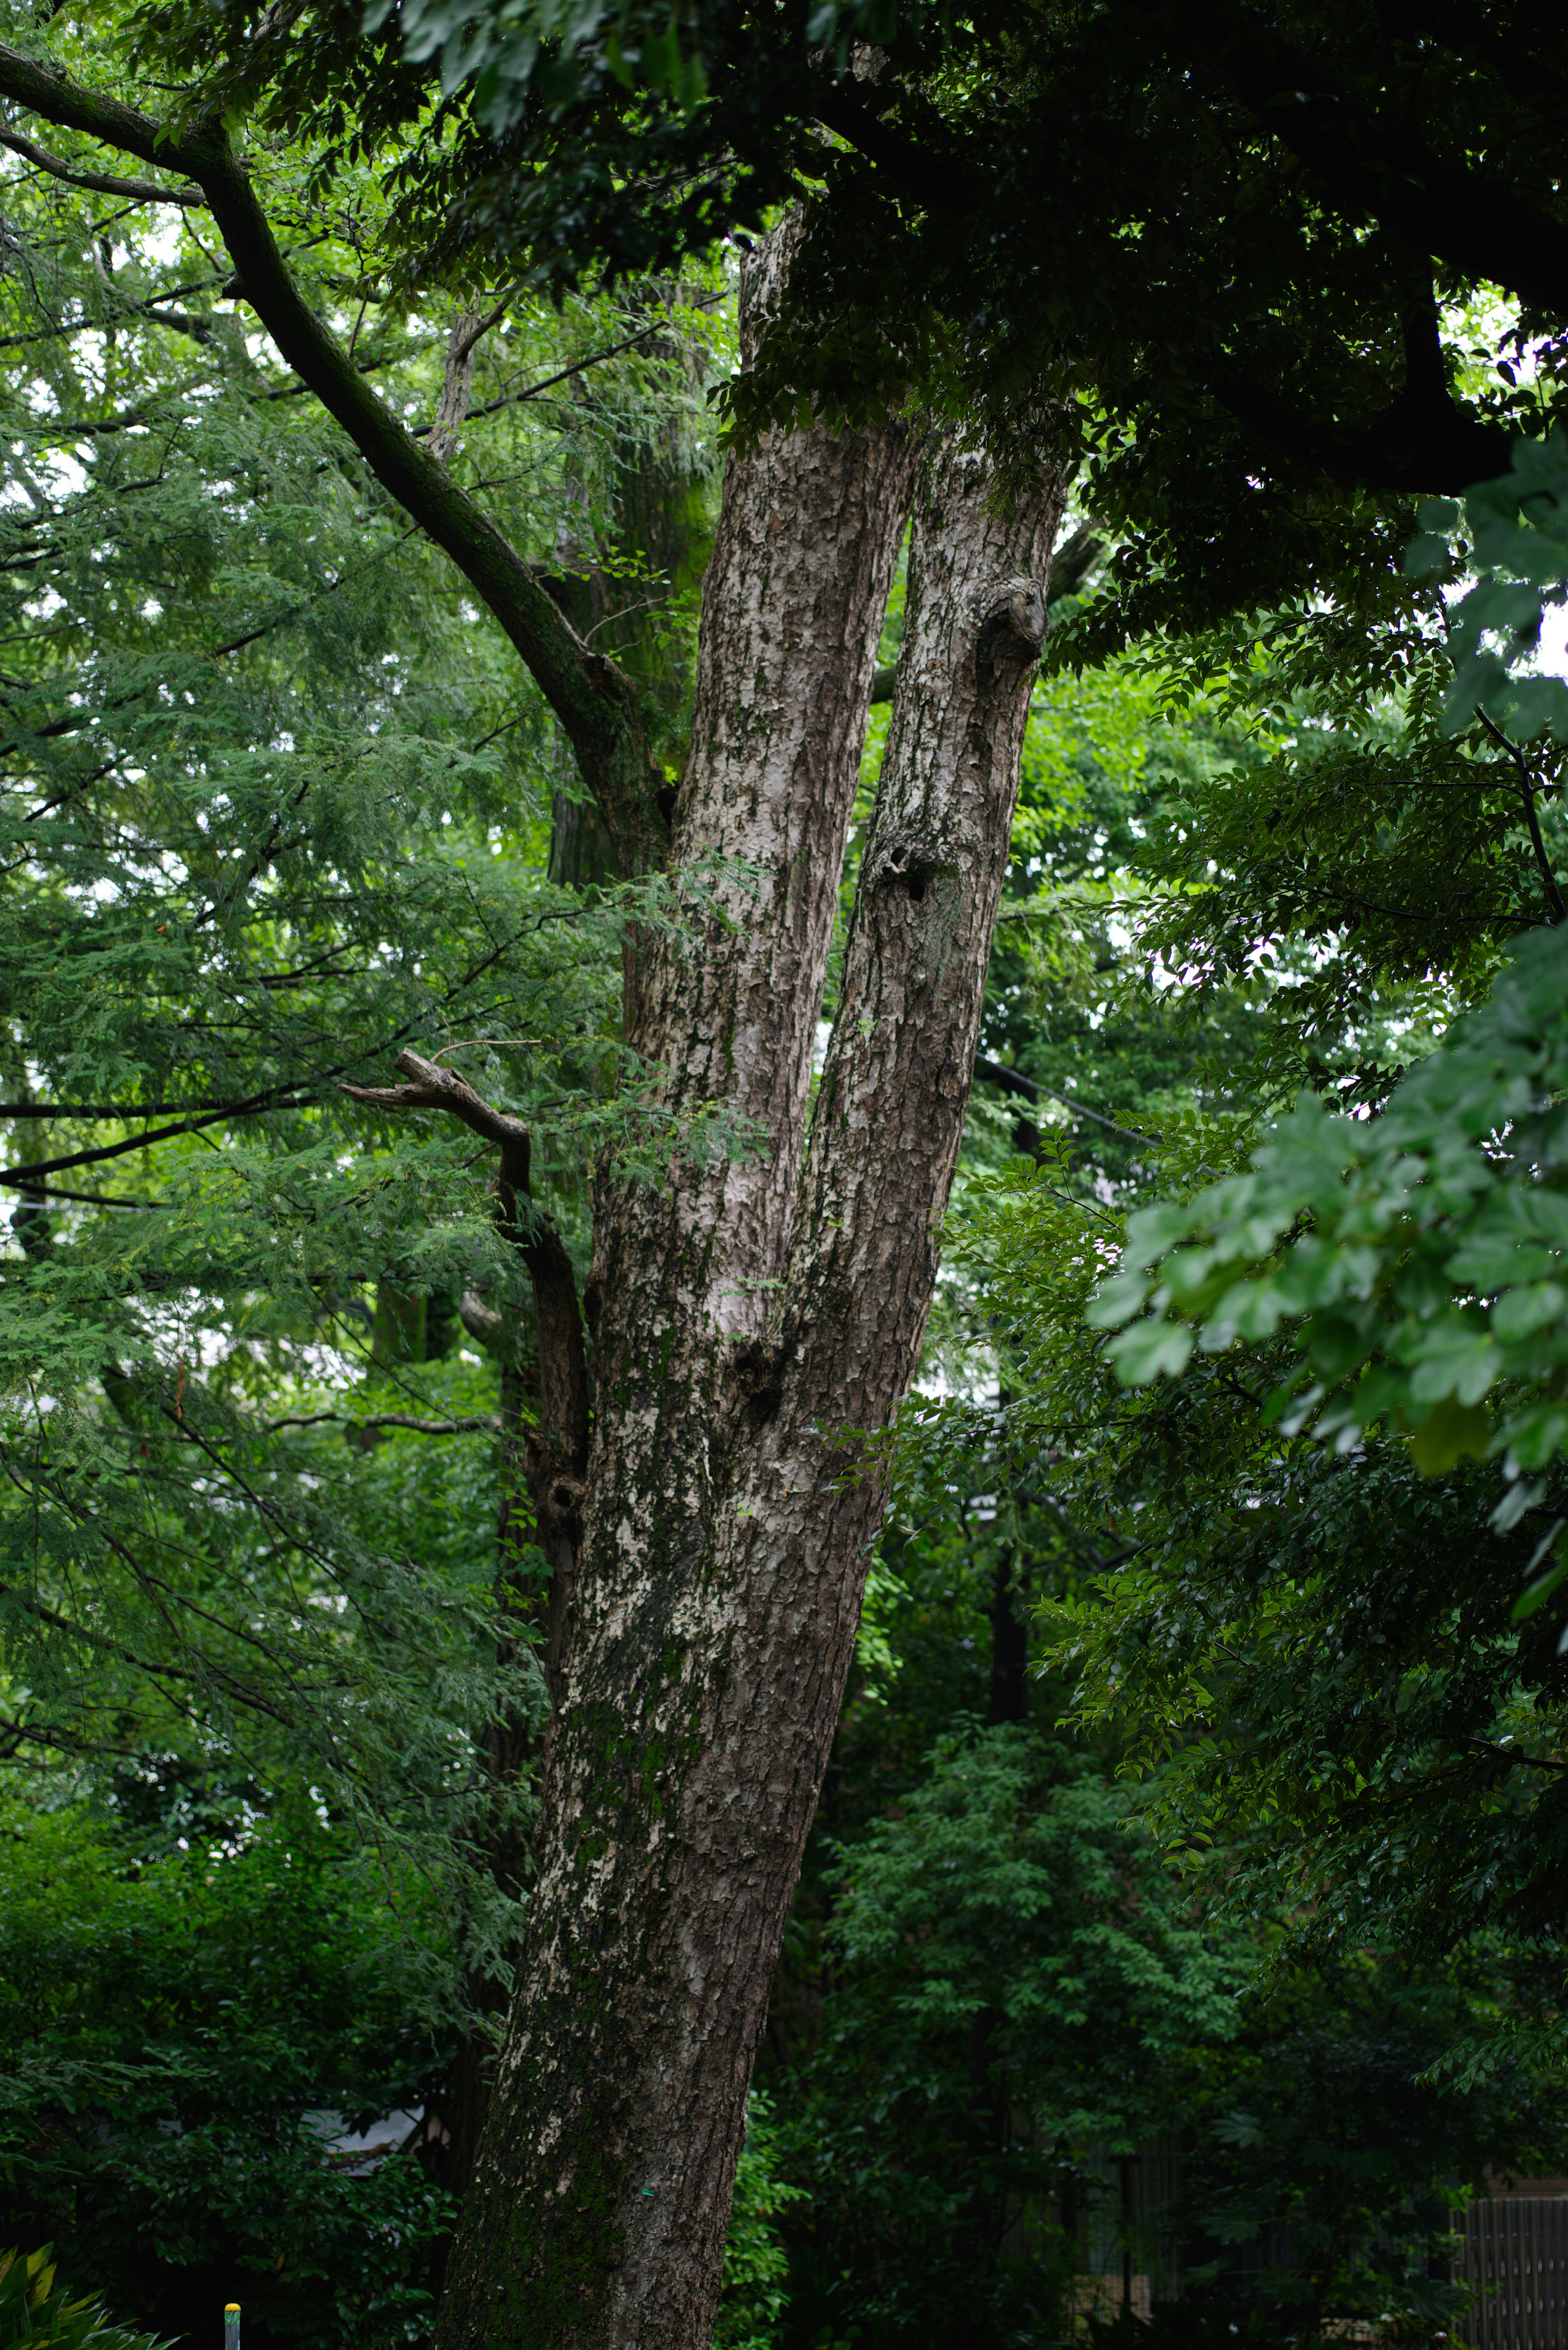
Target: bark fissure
[749, 1318]
[756, 1319]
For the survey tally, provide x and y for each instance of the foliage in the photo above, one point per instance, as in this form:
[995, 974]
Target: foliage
[34, 2310]
[1103, 208]
[1011, 1972]
[1428, 1280]
[1417, 1253]
[1324, 2160]
[756, 2267]
[273, 804]
[199, 1994]
[1158, 275]
[1517, 529]
[1327, 2157]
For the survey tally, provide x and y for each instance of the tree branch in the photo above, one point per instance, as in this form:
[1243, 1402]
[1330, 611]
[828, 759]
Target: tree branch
[1512, 1760]
[433, 1087]
[469, 1427]
[109, 1110]
[563, 1362]
[106, 183]
[1423, 441]
[596, 705]
[37, 1169]
[1527, 793]
[579, 367]
[1372, 168]
[1014, 1081]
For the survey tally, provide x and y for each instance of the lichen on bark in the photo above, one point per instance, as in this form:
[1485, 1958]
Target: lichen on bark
[748, 1313]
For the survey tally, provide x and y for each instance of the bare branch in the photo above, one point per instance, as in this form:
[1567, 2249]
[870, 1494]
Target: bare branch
[106, 183]
[1014, 1081]
[579, 367]
[469, 1427]
[563, 1362]
[434, 1088]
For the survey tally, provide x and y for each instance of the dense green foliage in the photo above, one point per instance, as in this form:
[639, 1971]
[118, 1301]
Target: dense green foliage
[35, 2309]
[1012, 1976]
[1221, 239]
[1329, 1643]
[277, 803]
[214, 1979]
[273, 803]
[1426, 1280]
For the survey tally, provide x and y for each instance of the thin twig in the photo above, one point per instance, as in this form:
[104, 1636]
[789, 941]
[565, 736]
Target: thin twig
[1527, 789]
[1014, 1081]
[387, 1419]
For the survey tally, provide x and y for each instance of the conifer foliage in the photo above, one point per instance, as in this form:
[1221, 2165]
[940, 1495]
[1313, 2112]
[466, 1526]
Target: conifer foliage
[273, 804]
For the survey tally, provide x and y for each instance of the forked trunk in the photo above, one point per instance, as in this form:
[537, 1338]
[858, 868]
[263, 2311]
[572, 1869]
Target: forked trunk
[749, 1317]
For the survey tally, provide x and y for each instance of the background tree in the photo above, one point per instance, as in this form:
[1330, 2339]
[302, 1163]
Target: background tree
[271, 799]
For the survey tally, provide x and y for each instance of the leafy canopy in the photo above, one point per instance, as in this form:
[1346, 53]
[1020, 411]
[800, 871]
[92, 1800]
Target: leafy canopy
[1419, 1254]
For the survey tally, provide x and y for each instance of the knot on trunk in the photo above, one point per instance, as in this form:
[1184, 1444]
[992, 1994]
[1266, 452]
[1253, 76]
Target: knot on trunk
[756, 1365]
[1014, 609]
[554, 1487]
[910, 860]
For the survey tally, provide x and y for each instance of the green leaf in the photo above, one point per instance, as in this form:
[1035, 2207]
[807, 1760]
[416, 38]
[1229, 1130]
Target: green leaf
[1117, 1301]
[1448, 1434]
[1535, 1594]
[1149, 1348]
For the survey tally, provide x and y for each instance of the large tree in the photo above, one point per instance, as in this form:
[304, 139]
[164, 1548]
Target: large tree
[755, 1314]
[707, 1504]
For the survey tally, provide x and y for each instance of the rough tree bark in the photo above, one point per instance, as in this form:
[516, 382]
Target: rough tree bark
[745, 1319]
[757, 1320]
[541, 1499]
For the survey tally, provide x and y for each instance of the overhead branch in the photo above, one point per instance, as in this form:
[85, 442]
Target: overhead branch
[1558, 910]
[456, 381]
[103, 183]
[1370, 168]
[1074, 561]
[108, 1109]
[563, 375]
[1424, 441]
[596, 704]
[433, 1087]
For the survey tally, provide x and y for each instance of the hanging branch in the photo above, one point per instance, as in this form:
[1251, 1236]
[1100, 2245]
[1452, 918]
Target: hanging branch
[556, 1454]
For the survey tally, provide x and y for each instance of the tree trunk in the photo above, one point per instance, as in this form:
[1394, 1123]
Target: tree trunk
[746, 1314]
[756, 1311]
[1008, 1640]
[657, 533]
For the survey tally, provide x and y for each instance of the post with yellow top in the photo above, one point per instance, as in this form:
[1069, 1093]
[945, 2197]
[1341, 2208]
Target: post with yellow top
[230, 2325]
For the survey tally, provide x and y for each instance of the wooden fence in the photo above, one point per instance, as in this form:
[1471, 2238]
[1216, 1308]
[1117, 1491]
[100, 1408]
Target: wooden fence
[1514, 2256]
